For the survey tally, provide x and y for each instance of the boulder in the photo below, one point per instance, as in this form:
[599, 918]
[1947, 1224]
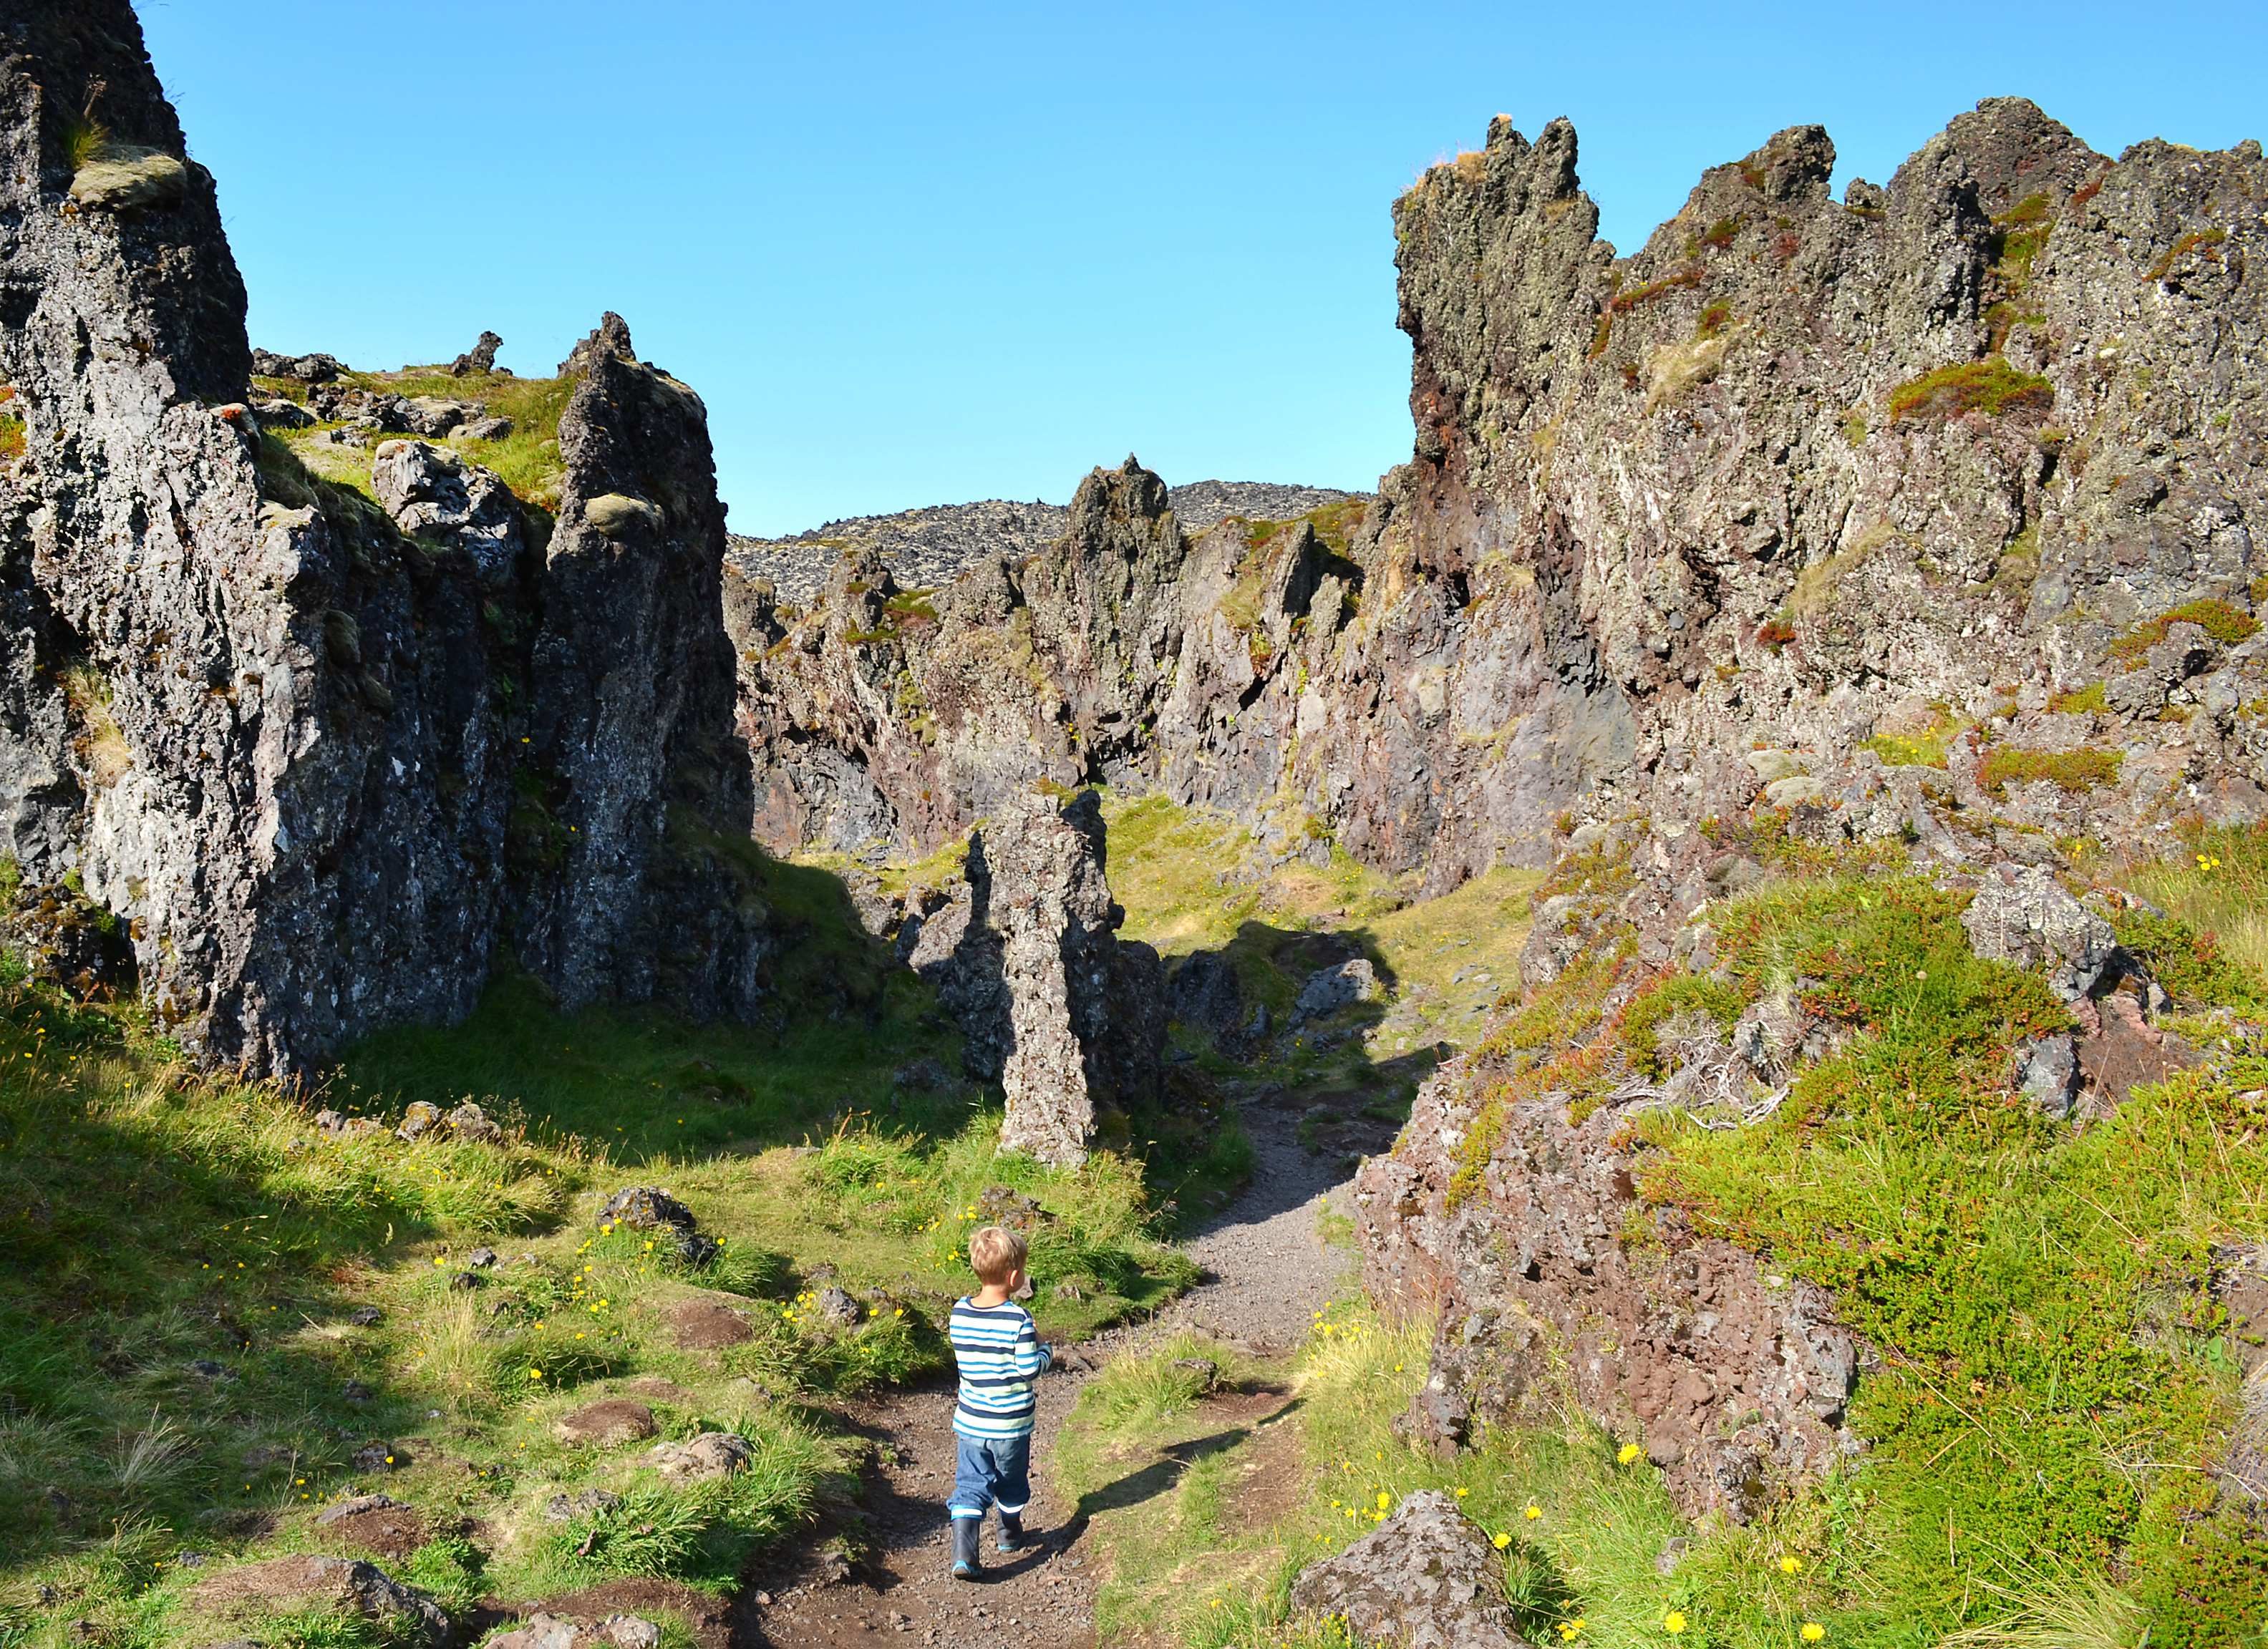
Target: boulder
[712, 1454]
[420, 1119]
[433, 493]
[355, 1506]
[546, 1630]
[587, 1503]
[123, 176]
[1328, 990]
[650, 1208]
[281, 414]
[606, 1423]
[2022, 914]
[1426, 1578]
[310, 369]
[619, 515]
[469, 1121]
[2048, 1074]
[480, 358]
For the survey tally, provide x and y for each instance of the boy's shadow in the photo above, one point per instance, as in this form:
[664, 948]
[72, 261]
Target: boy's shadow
[1146, 1484]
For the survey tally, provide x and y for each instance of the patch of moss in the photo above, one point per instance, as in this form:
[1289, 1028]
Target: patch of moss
[1624, 303]
[2206, 241]
[2081, 700]
[2075, 772]
[1922, 746]
[2225, 624]
[1991, 387]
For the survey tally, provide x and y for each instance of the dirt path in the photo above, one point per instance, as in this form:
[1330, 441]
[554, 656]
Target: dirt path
[1267, 1272]
[1041, 1597]
[1268, 1269]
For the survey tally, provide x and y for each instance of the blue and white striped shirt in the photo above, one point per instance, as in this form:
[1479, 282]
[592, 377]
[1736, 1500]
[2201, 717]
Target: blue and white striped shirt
[1000, 1355]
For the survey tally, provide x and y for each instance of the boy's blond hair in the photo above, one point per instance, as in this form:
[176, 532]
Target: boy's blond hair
[994, 1254]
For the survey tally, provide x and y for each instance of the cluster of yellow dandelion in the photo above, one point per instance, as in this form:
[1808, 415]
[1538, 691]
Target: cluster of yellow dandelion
[1628, 1452]
[2206, 862]
[1570, 1629]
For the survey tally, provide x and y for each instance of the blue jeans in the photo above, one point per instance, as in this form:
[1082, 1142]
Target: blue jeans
[988, 1471]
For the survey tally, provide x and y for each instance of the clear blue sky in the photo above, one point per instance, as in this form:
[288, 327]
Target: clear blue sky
[923, 254]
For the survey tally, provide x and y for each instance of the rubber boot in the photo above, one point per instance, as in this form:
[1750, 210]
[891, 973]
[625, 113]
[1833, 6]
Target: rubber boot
[966, 1564]
[1012, 1532]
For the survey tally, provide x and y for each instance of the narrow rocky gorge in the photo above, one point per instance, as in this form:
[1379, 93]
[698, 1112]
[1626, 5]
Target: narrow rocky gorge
[1824, 611]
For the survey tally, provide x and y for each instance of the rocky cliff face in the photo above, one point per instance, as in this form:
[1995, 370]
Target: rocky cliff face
[1965, 466]
[1065, 1016]
[299, 759]
[1800, 472]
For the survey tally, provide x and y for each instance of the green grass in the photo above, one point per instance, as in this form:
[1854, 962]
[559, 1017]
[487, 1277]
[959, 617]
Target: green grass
[2052, 1381]
[1206, 1520]
[254, 1235]
[2088, 700]
[2217, 890]
[1919, 746]
[528, 460]
[2052, 1370]
[1164, 863]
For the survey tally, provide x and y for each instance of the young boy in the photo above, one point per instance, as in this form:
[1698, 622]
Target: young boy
[1000, 1355]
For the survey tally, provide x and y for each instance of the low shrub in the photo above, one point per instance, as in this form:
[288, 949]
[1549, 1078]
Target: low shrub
[1991, 387]
[2225, 624]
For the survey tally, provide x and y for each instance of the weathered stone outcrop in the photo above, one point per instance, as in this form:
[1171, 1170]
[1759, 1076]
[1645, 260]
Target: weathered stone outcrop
[1067, 1017]
[1734, 1381]
[886, 717]
[301, 762]
[1427, 1578]
[1798, 473]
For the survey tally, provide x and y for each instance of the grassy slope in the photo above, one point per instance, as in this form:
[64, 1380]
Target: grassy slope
[2055, 1390]
[252, 1237]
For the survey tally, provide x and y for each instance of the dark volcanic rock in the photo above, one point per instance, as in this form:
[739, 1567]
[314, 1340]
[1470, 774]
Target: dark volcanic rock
[1427, 1578]
[310, 762]
[927, 547]
[1204, 990]
[1066, 1015]
[630, 709]
[480, 358]
[1796, 473]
